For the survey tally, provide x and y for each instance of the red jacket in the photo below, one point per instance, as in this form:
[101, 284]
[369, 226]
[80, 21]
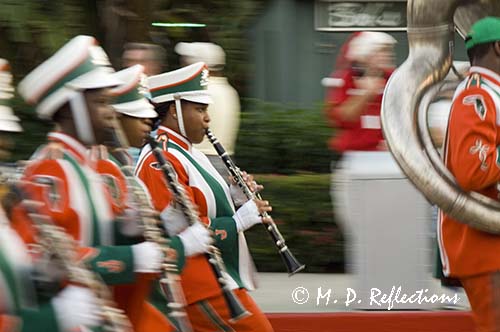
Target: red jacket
[362, 134]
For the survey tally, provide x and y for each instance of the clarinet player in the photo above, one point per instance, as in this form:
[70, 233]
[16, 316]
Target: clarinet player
[134, 119]
[181, 100]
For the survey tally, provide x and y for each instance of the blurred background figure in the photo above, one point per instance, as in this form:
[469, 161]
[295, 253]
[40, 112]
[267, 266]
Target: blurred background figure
[154, 60]
[152, 57]
[355, 91]
[225, 110]
[353, 101]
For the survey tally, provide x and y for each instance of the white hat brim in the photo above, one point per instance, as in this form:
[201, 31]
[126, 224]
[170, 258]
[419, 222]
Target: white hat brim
[140, 108]
[10, 126]
[200, 99]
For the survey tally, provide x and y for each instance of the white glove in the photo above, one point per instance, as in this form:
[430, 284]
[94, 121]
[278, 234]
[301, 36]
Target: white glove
[196, 239]
[130, 223]
[148, 257]
[174, 220]
[247, 216]
[238, 196]
[76, 306]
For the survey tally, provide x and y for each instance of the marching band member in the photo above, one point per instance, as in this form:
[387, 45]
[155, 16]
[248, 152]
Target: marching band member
[20, 308]
[72, 89]
[471, 154]
[181, 101]
[134, 114]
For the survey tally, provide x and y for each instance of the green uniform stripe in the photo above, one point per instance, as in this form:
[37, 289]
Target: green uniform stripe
[42, 319]
[193, 84]
[222, 205]
[10, 278]
[81, 69]
[498, 155]
[211, 314]
[229, 246]
[96, 238]
[132, 95]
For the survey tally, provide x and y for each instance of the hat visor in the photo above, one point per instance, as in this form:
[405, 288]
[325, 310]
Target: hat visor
[200, 99]
[96, 79]
[139, 108]
[10, 126]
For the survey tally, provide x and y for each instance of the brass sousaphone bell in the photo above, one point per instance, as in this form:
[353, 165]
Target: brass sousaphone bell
[431, 27]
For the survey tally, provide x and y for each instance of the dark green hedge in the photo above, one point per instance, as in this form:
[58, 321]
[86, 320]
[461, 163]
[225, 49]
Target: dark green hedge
[277, 139]
[302, 210]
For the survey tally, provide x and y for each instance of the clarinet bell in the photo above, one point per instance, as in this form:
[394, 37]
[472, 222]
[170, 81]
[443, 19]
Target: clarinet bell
[292, 264]
[236, 309]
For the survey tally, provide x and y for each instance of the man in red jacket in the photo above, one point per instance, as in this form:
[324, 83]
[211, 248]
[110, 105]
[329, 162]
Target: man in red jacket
[355, 92]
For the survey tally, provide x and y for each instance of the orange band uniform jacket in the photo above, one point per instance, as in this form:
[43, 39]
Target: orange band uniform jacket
[472, 154]
[195, 172]
[62, 176]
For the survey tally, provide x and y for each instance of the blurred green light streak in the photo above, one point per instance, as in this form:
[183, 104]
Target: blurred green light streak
[178, 25]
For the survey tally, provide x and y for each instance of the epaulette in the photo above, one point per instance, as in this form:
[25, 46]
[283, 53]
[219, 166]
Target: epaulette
[163, 140]
[474, 81]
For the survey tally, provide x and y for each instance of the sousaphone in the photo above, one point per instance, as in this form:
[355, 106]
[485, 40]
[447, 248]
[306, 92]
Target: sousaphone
[431, 27]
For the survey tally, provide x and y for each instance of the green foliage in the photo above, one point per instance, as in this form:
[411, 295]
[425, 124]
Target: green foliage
[30, 31]
[278, 139]
[302, 210]
[227, 23]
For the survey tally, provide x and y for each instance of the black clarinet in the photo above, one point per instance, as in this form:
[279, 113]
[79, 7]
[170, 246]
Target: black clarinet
[236, 309]
[292, 264]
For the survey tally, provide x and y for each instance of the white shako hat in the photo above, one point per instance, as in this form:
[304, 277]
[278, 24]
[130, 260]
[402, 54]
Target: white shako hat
[8, 121]
[79, 65]
[187, 83]
[130, 96]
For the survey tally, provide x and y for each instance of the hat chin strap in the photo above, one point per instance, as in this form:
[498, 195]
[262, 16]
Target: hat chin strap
[180, 119]
[81, 118]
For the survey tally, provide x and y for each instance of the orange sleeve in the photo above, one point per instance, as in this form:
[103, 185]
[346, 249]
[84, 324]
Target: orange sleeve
[45, 181]
[473, 140]
[161, 196]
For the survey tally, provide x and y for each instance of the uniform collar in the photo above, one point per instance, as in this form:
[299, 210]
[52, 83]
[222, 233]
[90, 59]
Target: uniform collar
[175, 137]
[490, 74]
[77, 149]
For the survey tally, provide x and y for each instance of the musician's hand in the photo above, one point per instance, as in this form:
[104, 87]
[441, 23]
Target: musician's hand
[263, 206]
[148, 257]
[247, 216]
[75, 307]
[251, 183]
[196, 239]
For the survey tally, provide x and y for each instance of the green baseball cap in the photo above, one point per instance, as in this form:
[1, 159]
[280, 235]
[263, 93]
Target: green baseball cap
[485, 30]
